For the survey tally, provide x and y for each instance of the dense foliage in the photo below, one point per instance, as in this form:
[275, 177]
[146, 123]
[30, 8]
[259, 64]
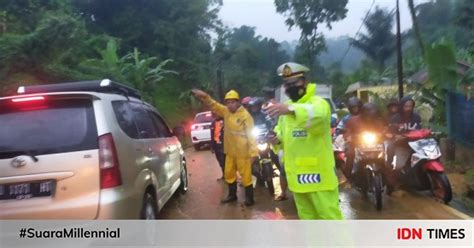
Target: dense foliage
[166, 47]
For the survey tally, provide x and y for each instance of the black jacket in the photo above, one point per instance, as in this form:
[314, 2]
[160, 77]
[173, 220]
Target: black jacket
[401, 123]
[260, 118]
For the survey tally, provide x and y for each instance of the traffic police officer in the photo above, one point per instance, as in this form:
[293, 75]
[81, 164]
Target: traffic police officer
[303, 131]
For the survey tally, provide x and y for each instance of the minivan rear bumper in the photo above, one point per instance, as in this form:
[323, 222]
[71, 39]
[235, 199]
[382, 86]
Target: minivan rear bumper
[118, 203]
[46, 208]
[114, 204]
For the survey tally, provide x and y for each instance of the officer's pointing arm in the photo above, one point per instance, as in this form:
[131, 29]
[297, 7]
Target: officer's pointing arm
[276, 141]
[218, 108]
[311, 115]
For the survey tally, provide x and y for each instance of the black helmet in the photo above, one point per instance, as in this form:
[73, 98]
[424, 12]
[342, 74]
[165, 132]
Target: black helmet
[405, 100]
[256, 101]
[353, 102]
[393, 102]
[370, 111]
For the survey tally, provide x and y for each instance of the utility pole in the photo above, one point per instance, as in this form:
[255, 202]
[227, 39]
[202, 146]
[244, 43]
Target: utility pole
[220, 81]
[399, 55]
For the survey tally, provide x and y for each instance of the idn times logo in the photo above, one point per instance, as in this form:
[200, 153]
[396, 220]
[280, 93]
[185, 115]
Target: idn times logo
[430, 233]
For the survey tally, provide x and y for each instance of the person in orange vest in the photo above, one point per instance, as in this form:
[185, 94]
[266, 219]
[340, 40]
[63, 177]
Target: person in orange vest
[217, 141]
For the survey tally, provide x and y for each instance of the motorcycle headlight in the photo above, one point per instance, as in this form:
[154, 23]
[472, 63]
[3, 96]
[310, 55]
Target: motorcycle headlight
[262, 146]
[256, 131]
[369, 138]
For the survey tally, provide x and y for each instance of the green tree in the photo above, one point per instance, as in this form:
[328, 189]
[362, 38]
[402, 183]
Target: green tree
[308, 15]
[434, 18]
[465, 14]
[446, 19]
[465, 20]
[145, 72]
[247, 61]
[163, 28]
[24, 16]
[337, 80]
[140, 71]
[108, 65]
[419, 37]
[379, 42]
[54, 46]
[442, 71]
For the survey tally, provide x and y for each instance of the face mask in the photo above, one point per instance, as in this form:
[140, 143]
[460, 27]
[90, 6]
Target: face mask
[295, 92]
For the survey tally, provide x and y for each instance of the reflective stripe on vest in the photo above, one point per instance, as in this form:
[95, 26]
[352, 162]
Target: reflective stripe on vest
[309, 108]
[309, 178]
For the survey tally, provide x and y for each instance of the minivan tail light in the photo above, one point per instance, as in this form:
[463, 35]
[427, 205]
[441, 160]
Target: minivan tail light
[108, 163]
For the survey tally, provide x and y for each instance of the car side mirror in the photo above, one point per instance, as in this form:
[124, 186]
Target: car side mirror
[178, 131]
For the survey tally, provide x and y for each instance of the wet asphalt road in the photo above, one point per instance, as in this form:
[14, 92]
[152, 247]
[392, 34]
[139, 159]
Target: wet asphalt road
[205, 192]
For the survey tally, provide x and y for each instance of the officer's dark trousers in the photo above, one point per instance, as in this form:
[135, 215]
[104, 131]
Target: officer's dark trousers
[220, 156]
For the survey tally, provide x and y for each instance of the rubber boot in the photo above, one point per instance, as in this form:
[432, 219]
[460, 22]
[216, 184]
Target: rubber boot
[232, 196]
[249, 196]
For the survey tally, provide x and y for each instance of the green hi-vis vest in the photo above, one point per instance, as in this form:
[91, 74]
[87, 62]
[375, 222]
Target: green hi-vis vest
[307, 145]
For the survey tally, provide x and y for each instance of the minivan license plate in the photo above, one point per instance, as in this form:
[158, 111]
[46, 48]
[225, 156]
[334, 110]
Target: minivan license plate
[20, 191]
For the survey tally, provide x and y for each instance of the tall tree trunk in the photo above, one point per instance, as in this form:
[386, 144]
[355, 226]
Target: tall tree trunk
[419, 38]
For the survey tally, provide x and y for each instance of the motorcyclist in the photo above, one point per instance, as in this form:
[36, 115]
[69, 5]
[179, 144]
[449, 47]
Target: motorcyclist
[368, 120]
[268, 94]
[354, 105]
[393, 108]
[260, 118]
[245, 102]
[405, 120]
[255, 110]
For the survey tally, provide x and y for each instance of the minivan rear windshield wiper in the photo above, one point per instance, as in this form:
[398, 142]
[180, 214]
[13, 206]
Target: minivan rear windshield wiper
[12, 154]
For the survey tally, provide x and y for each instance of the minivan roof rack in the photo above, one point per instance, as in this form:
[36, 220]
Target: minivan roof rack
[102, 86]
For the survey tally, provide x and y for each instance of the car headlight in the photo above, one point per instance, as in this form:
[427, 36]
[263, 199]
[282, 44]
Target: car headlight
[369, 138]
[262, 146]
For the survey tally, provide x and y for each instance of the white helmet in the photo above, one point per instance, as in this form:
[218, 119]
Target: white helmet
[291, 70]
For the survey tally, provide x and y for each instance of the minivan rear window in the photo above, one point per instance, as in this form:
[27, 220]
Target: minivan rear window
[52, 126]
[203, 118]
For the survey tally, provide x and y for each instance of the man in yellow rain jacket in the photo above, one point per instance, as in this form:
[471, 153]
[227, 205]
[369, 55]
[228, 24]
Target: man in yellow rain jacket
[240, 147]
[303, 131]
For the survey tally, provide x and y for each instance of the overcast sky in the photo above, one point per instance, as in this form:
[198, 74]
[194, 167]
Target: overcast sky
[262, 15]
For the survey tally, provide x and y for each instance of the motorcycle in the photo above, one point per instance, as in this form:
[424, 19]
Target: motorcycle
[263, 169]
[339, 153]
[419, 164]
[369, 161]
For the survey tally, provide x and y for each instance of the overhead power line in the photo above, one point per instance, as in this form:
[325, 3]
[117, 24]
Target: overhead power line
[358, 31]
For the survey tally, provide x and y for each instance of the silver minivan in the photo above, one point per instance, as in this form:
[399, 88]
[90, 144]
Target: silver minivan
[86, 150]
